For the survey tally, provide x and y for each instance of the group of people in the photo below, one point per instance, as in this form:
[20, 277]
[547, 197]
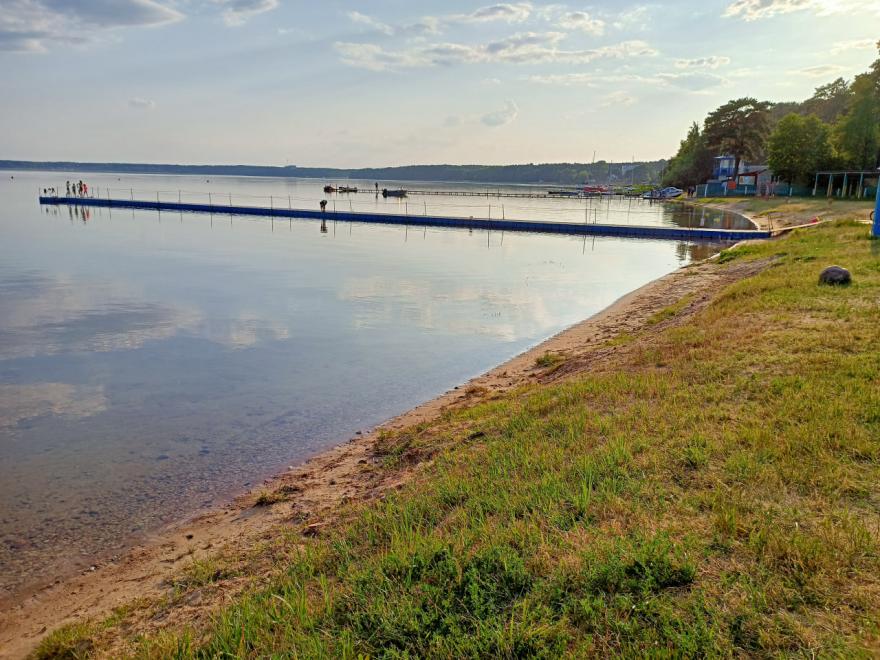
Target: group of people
[78, 189]
[50, 191]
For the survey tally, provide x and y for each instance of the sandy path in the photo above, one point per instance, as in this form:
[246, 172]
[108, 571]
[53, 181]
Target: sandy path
[315, 488]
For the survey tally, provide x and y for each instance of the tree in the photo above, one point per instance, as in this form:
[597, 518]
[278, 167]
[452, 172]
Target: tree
[798, 147]
[857, 134]
[738, 127]
[829, 102]
[693, 162]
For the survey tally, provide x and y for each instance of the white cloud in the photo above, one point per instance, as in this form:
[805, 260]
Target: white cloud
[509, 13]
[141, 103]
[520, 48]
[820, 70]
[712, 62]
[239, 12]
[566, 79]
[753, 10]
[691, 81]
[633, 19]
[854, 44]
[32, 25]
[617, 99]
[583, 22]
[501, 117]
[370, 22]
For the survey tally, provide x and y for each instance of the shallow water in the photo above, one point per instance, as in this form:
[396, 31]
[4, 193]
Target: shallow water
[152, 364]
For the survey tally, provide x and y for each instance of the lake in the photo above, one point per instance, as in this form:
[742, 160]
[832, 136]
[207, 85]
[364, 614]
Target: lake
[155, 364]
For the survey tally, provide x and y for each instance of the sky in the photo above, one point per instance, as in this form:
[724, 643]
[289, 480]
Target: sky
[394, 82]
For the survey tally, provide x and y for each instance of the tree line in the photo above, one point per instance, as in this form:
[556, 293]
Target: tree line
[835, 129]
[531, 173]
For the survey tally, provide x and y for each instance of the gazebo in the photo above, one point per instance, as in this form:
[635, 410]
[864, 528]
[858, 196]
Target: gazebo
[846, 183]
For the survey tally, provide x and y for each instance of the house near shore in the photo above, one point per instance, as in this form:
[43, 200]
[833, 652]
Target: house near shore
[749, 179]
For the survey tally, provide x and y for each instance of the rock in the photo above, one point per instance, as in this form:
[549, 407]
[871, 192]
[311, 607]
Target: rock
[836, 276]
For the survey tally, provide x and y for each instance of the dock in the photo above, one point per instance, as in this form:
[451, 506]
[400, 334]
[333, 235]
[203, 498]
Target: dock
[530, 226]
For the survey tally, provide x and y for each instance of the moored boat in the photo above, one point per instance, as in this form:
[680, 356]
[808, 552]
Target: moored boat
[669, 192]
[393, 193]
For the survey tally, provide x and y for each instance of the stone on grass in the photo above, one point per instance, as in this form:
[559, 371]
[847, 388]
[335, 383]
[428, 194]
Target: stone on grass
[835, 275]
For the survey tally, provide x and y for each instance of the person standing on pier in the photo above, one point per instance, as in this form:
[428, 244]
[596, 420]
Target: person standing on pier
[68, 188]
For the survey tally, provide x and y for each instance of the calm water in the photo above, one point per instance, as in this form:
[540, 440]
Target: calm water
[154, 364]
[306, 193]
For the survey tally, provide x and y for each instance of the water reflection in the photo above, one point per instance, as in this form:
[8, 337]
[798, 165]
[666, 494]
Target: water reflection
[152, 363]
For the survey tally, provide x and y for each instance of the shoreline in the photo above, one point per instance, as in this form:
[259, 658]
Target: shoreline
[311, 491]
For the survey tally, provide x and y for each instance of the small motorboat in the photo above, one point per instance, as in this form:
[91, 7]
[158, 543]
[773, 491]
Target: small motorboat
[346, 189]
[329, 189]
[564, 193]
[663, 193]
[393, 193]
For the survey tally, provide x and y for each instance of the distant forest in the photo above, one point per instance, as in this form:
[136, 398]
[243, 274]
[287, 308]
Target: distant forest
[548, 173]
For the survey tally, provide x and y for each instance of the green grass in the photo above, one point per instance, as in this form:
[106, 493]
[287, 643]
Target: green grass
[717, 493]
[671, 310]
[549, 360]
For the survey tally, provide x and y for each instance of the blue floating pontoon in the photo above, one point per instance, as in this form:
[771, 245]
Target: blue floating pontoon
[573, 228]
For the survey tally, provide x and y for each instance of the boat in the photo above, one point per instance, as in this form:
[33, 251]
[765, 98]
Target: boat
[595, 190]
[346, 189]
[669, 192]
[563, 193]
[393, 193]
[329, 189]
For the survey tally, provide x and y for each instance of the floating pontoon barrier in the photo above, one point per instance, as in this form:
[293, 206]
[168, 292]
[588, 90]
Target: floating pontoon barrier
[574, 228]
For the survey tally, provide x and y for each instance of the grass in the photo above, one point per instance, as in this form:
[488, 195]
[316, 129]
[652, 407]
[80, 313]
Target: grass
[549, 360]
[671, 310]
[722, 501]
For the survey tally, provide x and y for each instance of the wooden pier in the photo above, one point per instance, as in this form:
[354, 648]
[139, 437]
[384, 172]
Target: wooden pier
[531, 226]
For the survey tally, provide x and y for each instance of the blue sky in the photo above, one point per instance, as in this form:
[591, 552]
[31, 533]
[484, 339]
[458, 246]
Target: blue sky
[392, 82]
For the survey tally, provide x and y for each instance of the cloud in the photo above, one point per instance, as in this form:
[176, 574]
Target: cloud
[501, 117]
[691, 81]
[370, 22]
[509, 13]
[854, 44]
[617, 99]
[239, 12]
[141, 103]
[820, 70]
[32, 25]
[520, 48]
[583, 22]
[374, 57]
[566, 79]
[753, 10]
[712, 62]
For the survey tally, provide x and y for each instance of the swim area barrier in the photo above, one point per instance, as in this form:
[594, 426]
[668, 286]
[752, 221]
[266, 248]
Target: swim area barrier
[531, 226]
